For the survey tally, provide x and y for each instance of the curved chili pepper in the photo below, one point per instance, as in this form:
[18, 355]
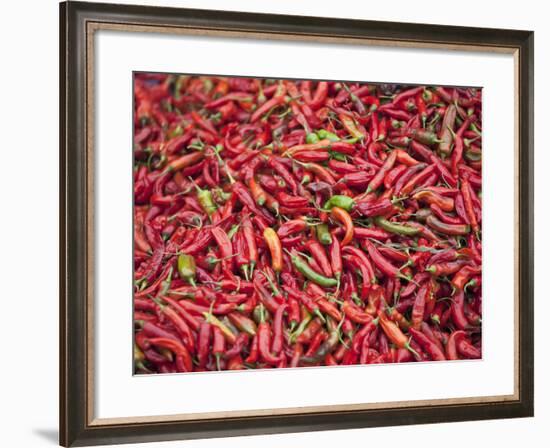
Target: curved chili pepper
[264, 341]
[468, 350]
[428, 345]
[340, 201]
[394, 334]
[320, 256]
[462, 277]
[381, 263]
[356, 314]
[343, 216]
[452, 343]
[448, 229]
[457, 311]
[468, 204]
[445, 267]
[393, 227]
[445, 203]
[178, 349]
[377, 180]
[238, 346]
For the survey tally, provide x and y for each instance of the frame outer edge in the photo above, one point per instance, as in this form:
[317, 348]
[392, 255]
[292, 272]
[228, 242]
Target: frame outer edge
[74, 429]
[527, 53]
[73, 199]
[63, 437]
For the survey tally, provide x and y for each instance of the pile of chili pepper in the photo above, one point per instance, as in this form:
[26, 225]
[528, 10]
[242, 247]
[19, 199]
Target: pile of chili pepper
[284, 223]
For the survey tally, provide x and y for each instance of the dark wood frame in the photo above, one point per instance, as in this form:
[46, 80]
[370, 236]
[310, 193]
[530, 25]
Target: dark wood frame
[76, 426]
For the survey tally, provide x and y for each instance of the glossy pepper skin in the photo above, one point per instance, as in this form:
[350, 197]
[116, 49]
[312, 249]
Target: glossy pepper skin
[287, 223]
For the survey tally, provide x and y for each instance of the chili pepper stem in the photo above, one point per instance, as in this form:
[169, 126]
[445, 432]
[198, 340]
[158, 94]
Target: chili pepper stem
[244, 267]
[412, 350]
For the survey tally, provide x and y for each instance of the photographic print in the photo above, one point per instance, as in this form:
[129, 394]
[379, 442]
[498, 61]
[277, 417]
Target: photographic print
[296, 223]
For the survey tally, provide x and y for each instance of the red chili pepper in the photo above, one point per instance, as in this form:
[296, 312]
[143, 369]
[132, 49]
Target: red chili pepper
[377, 180]
[445, 267]
[181, 326]
[264, 341]
[335, 254]
[428, 345]
[457, 311]
[320, 95]
[419, 306]
[451, 348]
[320, 256]
[463, 276]
[356, 314]
[468, 204]
[205, 333]
[381, 263]
[277, 345]
[178, 349]
[364, 260]
[218, 345]
[237, 348]
[468, 350]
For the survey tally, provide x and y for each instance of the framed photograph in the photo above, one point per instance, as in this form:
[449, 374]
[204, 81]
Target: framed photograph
[279, 224]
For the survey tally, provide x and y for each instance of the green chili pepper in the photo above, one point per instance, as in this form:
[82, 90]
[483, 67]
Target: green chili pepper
[139, 361]
[323, 234]
[301, 328]
[323, 133]
[187, 268]
[338, 156]
[393, 227]
[206, 201]
[165, 285]
[213, 320]
[179, 84]
[309, 273]
[225, 320]
[472, 156]
[258, 314]
[232, 231]
[175, 132]
[312, 138]
[341, 201]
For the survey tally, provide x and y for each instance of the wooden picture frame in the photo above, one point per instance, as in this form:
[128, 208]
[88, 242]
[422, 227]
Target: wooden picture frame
[78, 22]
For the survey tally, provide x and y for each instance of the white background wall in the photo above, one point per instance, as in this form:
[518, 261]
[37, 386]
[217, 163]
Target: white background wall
[28, 224]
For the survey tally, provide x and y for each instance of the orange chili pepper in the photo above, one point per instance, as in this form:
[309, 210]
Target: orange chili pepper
[431, 197]
[275, 248]
[344, 217]
[392, 331]
[350, 126]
